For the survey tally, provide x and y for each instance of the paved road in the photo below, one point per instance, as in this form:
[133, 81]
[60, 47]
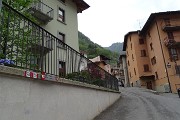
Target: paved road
[142, 104]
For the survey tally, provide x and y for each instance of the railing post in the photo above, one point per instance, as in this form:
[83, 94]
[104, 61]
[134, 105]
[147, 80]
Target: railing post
[0, 5]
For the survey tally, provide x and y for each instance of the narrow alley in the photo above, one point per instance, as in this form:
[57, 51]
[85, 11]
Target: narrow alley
[142, 104]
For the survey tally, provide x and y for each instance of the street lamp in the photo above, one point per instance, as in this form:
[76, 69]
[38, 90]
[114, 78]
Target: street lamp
[168, 65]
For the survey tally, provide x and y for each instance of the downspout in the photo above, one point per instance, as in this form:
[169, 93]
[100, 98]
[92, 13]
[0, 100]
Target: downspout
[167, 74]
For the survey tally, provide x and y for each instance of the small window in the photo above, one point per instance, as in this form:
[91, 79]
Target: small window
[143, 53]
[146, 68]
[132, 57]
[130, 74]
[173, 54]
[170, 35]
[153, 60]
[141, 41]
[177, 67]
[149, 35]
[61, 39]
[134, 71]
[151, 46]
[61, 15]
[128, 63]
[156, 75]
[167, 21]
[131, 46]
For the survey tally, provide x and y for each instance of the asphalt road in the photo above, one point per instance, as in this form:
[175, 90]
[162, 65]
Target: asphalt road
[142, 104]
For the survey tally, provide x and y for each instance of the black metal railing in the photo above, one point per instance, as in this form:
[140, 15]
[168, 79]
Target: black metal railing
[40, 6]
[29, 46]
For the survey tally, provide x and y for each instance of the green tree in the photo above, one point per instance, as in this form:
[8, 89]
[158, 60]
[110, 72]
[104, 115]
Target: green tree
[16, 32]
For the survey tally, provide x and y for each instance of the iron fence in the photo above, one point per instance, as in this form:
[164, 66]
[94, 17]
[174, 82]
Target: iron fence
[28, 46]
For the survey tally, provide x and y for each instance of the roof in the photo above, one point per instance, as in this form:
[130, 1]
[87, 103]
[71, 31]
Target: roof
[97, 62]
[126, 37]
[81, 5]
[152, 18]
[122, 53]
[104, 57]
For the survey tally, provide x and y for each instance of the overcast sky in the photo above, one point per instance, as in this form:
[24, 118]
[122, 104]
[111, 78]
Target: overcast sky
[107, 21]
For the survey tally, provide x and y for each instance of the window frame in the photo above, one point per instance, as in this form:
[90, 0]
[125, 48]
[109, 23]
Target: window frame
[63, 15]
[60, 43]
[146, 68]
[141, 41]
[143, 53]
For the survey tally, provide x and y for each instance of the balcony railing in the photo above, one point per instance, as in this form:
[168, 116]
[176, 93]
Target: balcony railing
[31, 47]
[172, 42]
[42, 12]
[170, 24]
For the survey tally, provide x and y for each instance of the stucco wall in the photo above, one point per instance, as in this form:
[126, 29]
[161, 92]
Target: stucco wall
[29, 99]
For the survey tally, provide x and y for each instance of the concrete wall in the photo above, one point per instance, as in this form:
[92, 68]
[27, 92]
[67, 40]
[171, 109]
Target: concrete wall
[30, 99]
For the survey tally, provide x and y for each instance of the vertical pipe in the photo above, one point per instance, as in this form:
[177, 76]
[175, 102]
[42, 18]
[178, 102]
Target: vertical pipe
[167, 74]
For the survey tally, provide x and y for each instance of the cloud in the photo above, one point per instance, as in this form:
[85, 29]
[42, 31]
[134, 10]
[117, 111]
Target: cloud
[107, 22]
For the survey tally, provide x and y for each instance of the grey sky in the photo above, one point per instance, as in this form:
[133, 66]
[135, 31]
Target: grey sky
[106, 22]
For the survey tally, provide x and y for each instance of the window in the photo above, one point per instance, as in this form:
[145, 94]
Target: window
[134, 71]
[127, 53]
[143, 53]
[131, 46]
[61, 15]
[177, 67]
[173, 54]
[61, 40]
[132, 57]
[130, 38]
[128, 63]
[62, 69]
[151, 46]
[141, 41]
[153, 60]
[130, 74]
[170, 35]
[167, 21]
[146, 68]
[156, 75]
[149, 35]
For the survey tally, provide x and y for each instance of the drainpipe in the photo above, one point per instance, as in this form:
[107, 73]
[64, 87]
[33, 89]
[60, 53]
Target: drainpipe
[167, 74]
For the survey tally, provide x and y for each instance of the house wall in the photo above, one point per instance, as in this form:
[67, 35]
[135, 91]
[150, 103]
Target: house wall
[30, 99]
[69, 27]
[155, 35]
[132, 39]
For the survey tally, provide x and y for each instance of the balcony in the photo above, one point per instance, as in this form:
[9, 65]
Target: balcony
[170, 25]
[33, 48]
[42, 12]
[172, 42]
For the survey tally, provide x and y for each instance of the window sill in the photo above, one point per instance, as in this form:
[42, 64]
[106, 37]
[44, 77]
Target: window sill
[61, 22]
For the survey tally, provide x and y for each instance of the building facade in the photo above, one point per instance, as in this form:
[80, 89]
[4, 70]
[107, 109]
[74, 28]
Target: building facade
[153, 53]
[123, 69]
[103, 62]
[59, 17]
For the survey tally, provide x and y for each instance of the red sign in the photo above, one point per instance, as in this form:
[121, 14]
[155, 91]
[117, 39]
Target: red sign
[30, 74]
[43, 75]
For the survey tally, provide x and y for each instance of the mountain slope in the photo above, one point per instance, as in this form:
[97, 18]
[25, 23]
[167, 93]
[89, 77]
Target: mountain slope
[92, 49]
[115, 47]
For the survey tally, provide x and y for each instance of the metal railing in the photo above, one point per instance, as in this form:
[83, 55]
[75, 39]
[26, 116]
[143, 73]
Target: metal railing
[40, 6]
[31, 47]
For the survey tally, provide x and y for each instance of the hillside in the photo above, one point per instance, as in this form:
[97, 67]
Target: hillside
[92, 49]
[115, 47]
